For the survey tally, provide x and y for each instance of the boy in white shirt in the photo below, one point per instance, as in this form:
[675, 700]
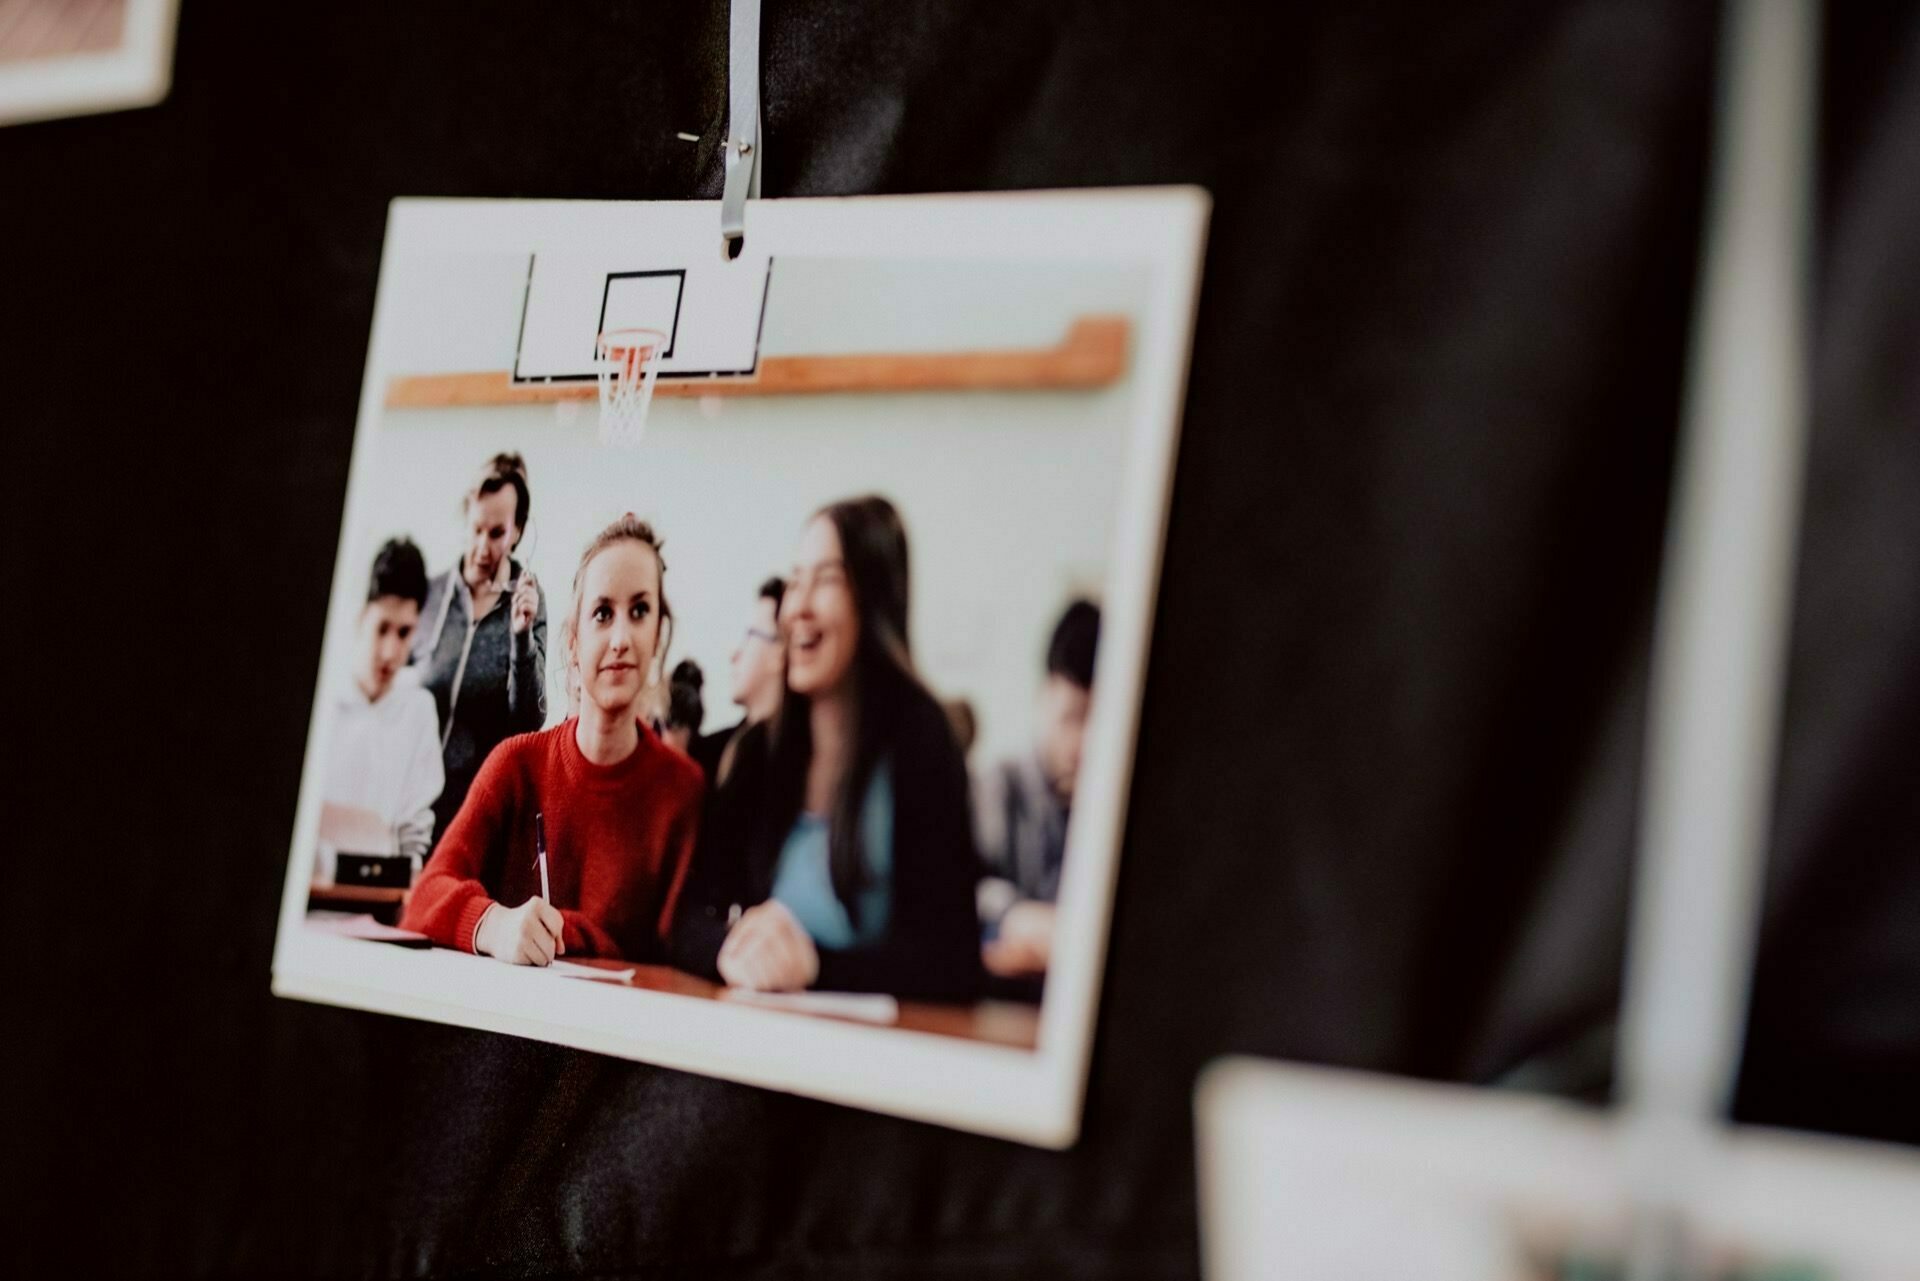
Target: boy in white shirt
[383, 757]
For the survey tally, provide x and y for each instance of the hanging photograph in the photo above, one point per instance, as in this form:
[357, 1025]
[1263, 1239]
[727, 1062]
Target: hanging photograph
[733, 663]
[78, 57]
[1354, 1175]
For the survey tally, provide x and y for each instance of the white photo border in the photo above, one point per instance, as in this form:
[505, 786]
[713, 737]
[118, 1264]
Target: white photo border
[1033, 1096]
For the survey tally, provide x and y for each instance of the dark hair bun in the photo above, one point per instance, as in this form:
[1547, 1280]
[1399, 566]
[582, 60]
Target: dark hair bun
[501, 470]
[684, 707]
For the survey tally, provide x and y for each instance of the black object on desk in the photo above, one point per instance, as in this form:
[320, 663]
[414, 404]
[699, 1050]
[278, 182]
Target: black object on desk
[387, 872]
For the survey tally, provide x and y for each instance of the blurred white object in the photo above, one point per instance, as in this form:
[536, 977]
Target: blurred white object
[78, 57]
[1324, 1175]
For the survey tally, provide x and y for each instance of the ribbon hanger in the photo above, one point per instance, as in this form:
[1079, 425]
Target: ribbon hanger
[742, 143]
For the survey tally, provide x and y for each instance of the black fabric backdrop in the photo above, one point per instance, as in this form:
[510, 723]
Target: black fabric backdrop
[1384, 800]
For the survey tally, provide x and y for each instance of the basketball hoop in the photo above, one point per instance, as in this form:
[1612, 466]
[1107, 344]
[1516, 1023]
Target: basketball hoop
[628, 361]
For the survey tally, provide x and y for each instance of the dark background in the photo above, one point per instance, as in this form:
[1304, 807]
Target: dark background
[1385, 793]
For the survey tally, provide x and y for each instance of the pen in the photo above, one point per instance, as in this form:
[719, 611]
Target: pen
[540, 852]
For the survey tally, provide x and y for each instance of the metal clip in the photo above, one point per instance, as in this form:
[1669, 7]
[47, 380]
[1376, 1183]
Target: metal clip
[742, 142]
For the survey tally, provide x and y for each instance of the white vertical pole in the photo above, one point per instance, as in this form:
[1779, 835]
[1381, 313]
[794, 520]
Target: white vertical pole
[1721, 629]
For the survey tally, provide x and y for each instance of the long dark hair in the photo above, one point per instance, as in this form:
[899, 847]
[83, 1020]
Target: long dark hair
[873, 545]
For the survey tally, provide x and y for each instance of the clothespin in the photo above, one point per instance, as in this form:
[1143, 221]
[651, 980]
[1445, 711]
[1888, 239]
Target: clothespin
[742, 143]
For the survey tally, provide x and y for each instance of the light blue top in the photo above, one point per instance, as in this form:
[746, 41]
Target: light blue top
[803, 882]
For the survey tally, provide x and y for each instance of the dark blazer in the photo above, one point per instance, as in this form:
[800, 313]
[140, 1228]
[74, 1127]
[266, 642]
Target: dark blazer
[932, 948]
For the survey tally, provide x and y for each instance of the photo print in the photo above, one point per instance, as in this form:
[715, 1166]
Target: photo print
[77, 57]
[734, 664]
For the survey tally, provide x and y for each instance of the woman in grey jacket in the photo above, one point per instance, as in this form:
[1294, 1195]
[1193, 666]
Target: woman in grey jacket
[482, 648]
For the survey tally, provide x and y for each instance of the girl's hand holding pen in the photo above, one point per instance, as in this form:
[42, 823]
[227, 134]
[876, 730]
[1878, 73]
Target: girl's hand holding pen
[531, 934]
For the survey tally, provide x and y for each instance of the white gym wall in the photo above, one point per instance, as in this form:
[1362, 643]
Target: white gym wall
[1008, 496]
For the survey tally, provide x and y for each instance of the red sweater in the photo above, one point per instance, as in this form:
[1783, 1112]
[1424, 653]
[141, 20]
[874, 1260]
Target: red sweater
[619, 839]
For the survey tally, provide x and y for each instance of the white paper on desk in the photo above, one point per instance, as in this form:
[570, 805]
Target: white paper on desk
[845, 1005]
[362, 926]
[568, 970]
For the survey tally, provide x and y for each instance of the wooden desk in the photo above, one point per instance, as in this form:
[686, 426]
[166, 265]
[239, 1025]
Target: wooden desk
[999, 1022]
[1013, 1023]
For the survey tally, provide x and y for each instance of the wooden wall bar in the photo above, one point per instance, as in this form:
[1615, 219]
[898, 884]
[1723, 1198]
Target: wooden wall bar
[1093, 354]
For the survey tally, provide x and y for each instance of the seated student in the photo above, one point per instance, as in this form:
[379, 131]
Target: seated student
[383, 755]
[758, 672]
[1021, 808]
[840, 850]
[619, 809]
[685, 711]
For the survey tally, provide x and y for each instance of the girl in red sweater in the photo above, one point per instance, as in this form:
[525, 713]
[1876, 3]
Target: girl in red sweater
[619, 808]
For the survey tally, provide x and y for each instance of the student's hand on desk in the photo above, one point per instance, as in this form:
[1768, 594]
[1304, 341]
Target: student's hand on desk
[526, 598]
[531, 934]
[768, 950]
[1025, 943]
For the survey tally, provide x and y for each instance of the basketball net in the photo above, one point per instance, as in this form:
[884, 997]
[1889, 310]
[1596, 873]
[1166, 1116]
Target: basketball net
[628, 362]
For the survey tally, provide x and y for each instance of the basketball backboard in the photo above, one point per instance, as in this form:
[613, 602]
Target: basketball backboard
[711, 312]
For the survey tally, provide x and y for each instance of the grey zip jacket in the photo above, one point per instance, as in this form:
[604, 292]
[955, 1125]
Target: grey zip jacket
[487, 683]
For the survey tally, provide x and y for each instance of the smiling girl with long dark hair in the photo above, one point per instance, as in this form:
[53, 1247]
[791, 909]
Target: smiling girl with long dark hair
[839, 853]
